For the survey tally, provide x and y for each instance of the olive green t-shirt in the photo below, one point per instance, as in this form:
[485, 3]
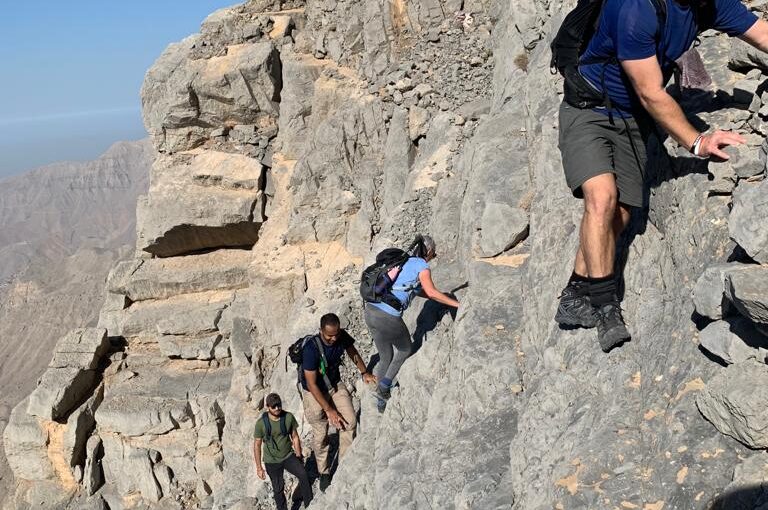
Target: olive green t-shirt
[276, 451]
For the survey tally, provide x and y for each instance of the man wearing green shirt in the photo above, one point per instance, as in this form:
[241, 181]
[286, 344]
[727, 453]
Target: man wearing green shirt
[277, 431]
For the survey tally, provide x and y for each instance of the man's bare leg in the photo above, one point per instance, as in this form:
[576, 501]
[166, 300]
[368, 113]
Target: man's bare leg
[620, 222]
[597, 237]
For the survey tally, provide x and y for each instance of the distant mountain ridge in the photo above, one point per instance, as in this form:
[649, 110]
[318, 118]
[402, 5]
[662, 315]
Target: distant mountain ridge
[48, 211]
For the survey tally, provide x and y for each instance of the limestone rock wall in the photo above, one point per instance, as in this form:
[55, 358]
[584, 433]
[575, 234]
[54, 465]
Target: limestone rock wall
[294, 140]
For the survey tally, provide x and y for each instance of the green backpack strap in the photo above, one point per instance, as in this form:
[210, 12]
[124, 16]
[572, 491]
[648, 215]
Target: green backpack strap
[324, 366]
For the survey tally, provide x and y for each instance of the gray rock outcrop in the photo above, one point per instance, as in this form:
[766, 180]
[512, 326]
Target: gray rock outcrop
[735, 403]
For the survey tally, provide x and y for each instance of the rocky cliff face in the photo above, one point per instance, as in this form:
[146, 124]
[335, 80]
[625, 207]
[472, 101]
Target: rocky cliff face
[294, 140]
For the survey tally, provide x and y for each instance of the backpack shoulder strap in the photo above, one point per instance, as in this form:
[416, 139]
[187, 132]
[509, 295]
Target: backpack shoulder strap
[267, 426]
[323, 372]
[283, 426]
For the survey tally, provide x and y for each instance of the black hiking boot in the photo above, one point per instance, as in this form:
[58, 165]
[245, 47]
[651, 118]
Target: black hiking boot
[575, 308]
[325, 482]
[611, 330]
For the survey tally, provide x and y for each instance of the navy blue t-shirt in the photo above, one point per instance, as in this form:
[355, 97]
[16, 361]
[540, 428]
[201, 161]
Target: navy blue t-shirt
[628, 30]
[333, 354]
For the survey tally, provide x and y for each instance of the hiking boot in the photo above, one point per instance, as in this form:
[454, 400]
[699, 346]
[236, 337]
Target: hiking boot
[381, 394]
[611, 330]
[325, 482]
[575, 308]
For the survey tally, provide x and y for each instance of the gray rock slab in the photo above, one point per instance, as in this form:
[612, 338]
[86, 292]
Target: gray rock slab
[736, 403]
[60, 389]
[81, 348]
[138, 416]
[25, 444]
[744, 56]
[80, 424]
[183, 315]
[206, 200]
[733, 340]
[93, 474]
[748, 223]
[709, 292]
[185, 347]
[160, 278]
[501, 228]
[748, 291]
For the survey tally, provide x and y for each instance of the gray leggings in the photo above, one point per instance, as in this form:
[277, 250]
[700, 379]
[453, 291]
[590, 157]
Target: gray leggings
[392, 339]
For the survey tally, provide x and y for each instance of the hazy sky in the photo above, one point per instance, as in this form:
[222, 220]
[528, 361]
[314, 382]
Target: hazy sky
[72, 71]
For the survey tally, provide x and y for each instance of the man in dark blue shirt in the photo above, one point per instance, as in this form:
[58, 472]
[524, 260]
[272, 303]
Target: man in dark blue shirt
[629, 60]
[323, 404]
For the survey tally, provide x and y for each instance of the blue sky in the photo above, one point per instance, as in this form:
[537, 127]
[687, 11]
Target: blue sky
[72, 71]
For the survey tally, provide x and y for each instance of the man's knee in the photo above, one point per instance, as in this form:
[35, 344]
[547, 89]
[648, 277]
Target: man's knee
[601, 196]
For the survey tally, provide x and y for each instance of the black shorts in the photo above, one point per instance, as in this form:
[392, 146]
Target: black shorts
[590, 145]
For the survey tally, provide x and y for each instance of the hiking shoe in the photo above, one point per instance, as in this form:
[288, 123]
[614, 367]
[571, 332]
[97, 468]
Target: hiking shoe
[382, 392]
[575, 308]
[325, 482]
[611, 330]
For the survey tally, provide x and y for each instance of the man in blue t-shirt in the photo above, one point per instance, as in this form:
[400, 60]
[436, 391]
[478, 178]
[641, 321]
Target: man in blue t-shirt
[629, 60]
[324, 404]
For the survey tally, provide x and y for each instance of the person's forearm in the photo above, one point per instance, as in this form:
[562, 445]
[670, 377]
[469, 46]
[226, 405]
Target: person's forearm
[443, 298]
[257, 454]
[668, 114]
[359, 363]
[315, 391]
[297, 447]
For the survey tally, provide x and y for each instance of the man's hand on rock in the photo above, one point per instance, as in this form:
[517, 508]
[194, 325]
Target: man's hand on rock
[369, 378]
[711, 145]
[336, 419]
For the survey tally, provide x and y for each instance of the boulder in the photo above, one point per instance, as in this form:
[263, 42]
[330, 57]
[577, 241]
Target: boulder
[736, 402]
[748, 223]
[733, 340]
[748, 291]
[709, 292]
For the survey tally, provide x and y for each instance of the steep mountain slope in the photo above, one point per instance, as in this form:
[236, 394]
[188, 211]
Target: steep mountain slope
[293, 141]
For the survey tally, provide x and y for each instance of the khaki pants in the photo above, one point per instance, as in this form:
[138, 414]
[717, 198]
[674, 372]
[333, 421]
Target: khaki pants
[316, 417]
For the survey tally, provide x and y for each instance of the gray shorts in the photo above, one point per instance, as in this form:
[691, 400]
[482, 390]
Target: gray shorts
[590, 145]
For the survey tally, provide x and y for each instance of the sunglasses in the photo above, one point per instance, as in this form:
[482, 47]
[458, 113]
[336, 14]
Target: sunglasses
[276, 406]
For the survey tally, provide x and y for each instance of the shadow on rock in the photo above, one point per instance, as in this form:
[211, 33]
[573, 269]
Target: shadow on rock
[430, 316]
[750, 497]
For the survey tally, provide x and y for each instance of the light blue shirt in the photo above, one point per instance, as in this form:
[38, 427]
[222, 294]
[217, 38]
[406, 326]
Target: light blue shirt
[406, 285]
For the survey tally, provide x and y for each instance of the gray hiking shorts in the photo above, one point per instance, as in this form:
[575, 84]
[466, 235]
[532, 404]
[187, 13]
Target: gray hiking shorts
[590, 145]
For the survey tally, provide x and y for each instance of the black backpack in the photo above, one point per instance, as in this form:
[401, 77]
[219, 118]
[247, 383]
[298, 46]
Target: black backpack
[296, 355]
[376, 281]
[573, 38]
[268, 427]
